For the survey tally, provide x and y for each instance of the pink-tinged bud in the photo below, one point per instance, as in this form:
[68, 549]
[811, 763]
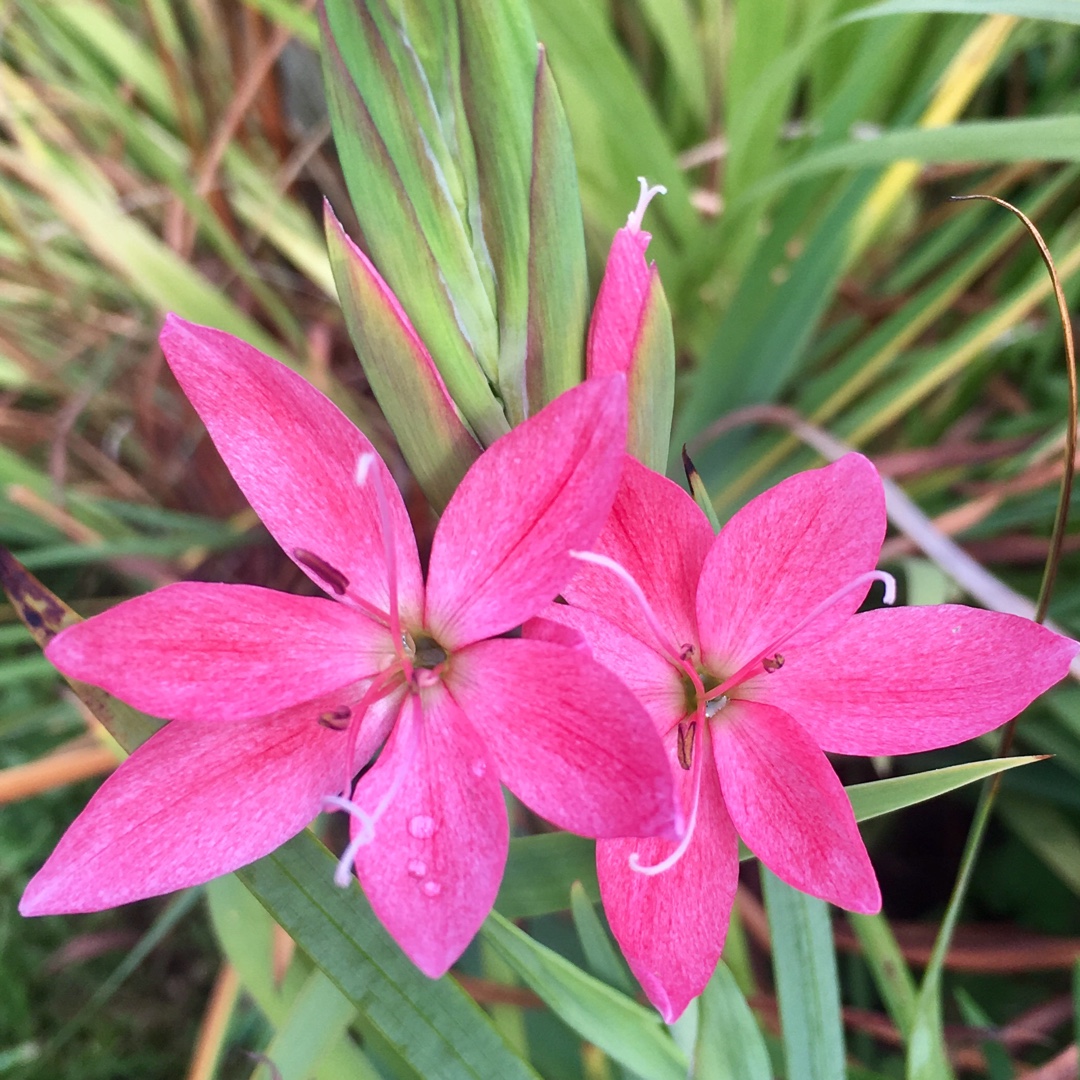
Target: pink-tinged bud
[630, 332]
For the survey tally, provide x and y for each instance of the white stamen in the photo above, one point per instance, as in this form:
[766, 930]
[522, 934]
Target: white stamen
[624, 575]
[647, 195]
[343, 871]
[862, 581]
[691, 825]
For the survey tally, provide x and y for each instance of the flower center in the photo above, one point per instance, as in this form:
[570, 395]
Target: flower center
[426, 651]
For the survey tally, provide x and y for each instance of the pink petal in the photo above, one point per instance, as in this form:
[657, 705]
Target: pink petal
[656, 683]
[790, 807]
[619, 305]
[909, 679]
[567, 738]
[558, 633]
[783, 554]
[194, 802]
[294, 455]
[657, 533]
[433, 868]
[501, 550]
[194, 651]
[671, 926]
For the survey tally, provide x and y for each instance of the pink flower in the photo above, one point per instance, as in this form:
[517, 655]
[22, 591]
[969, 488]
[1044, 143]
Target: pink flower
[277, 700]
[747, 651]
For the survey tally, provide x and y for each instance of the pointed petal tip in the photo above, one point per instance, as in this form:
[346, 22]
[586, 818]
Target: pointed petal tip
[669, 1002]
[434, 966]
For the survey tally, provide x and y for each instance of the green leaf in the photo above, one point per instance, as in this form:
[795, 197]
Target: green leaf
[601, 955]
[558, 285]
[617, 133]
[672, 21]
[730, 1045]
[699, 491]
[629, 1033]
[894, 793]
[500, 64]
[807, 986]
[433, 438]
[1047, 832]
[399, 244]
[245, 932]
[432, 1025]
[540, 872]
[1040, 138]
[892, 977]
[1064, 11]
[315, 1026]
[390, 138]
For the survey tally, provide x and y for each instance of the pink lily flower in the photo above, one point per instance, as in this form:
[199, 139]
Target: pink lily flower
[747, 651]
[276, 700]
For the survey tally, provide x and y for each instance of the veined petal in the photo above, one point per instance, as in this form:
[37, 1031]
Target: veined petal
[197, 651]
[661, 538]
[671, 926]
[783, 554]
[501, 550]
[193, 802]
[790, 807]
[567, 737]
[433, 867]
[294, 455]
[903, 680]
[650, 677]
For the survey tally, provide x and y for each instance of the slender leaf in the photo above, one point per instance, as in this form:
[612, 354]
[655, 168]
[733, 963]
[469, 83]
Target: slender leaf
[631, 1034]
[730, 1045]
[601, 955]
[431, 1025]
[807, 987]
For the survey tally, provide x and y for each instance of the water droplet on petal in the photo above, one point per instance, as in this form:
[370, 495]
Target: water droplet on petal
[422, 826]
[478, 767]
[431, 888]
[417, 868]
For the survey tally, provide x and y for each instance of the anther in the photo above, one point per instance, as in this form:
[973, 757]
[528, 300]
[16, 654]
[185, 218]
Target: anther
[687, 731]
[772, 663]
[331, 575]
[686, 652]
[336, 719]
